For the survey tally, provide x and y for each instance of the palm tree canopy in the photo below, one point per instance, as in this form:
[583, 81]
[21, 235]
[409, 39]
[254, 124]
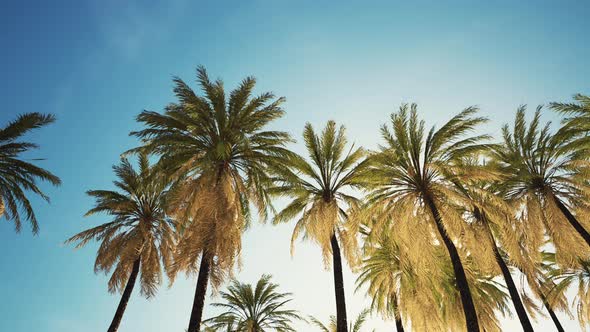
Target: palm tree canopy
[413, 179]
[218, 152]
[17, 175]
[541, 169]
[254, 309]
[491, 218]
[355, 326]
[384, 272]
[318, 189]
[412, 165]
[139, 228]
[578, 114]
[402, 266]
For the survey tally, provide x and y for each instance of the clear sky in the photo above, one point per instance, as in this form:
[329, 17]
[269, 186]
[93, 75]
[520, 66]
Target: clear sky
[96, 64]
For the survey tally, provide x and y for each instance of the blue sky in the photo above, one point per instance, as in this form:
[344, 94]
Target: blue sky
[98, 64]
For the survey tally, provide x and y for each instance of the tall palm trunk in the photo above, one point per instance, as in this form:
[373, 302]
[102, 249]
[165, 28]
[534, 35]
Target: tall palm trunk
[194, 324]
[471, 320]
[341, 322]
[552, 314]
[396, 316]
[125, 297]
[573, 221]
[520, 309]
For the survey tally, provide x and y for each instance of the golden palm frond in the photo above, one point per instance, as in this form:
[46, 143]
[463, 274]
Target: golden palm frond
[318, 190]
[140, 228]
[217, 151]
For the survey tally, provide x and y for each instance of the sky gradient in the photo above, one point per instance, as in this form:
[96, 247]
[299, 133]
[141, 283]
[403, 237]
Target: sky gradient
[97, 64]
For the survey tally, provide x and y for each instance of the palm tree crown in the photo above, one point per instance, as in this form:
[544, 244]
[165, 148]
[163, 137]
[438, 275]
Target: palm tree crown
[254, 309]
[18, 176]
[139, 230]
[388, 276]
[317, 189]
[355, 326]
[413, 176]
[218, 152]
[139, 240]
[578, 114]
[545, 173]
[318, 193]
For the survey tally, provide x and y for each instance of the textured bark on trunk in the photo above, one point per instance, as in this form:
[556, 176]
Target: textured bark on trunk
[552, 315]
[194, 324]
[518, 306]
[125, 297]
[573, 221]
[341, 322]
[398, 318]
[471, 320]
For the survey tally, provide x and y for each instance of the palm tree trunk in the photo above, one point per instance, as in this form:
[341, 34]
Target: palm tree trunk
[125, 297]
[552, 315]
[341, 322]
[471, 320]
[398, 318]
[520, 309]
[573, 221]
[194, 324]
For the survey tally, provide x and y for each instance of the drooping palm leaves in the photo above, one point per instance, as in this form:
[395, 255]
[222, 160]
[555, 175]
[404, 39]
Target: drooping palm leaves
[412, 175]
[492, 224]
[18, 176]
[407, 276]
[319, 200]
[402, 274]
[139, 240]
[574, 277]
[254, 309]
[489, 296]
[387, 276]
[218, 152]
[542, 282]
[544, 175]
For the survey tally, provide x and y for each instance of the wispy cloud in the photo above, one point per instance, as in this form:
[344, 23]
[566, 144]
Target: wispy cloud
[127, 28]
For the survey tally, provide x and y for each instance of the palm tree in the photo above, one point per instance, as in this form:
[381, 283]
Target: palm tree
[254, 309]
[332, 326]
[543, 283]
[545, 173]
[139, 239]
[318, 197]
[402, 273]
[406, 275]
[565, 278]
[218, 154]
[412, 176]
[386, 275]
[492, 217]
[488, 295]
[18, 175]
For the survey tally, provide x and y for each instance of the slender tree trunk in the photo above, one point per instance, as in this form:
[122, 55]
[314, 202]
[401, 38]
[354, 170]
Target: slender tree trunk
[520, 309]
[552, 314]
[573, 221]
[471, 320]
[341, 322]
[194, 324]
[396, 315]
[125, 297]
